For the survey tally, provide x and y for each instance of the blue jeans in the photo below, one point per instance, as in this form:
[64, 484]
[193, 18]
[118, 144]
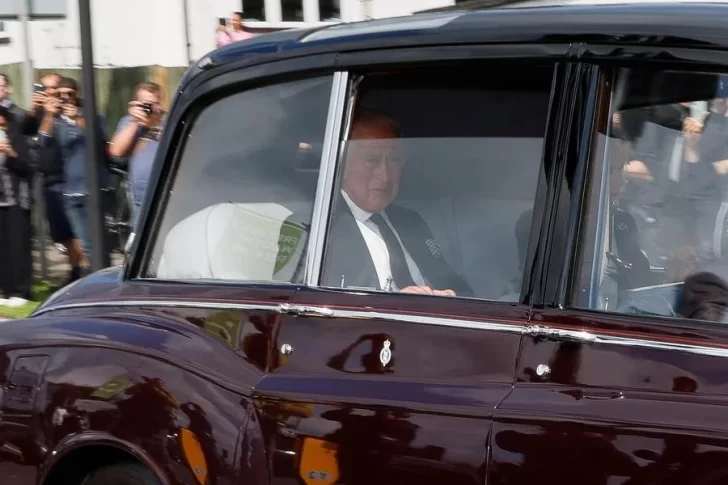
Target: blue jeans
[136, 206]
[136, 198]
[78, 216]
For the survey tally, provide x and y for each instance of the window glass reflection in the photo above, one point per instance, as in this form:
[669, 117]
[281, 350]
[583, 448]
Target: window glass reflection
[658, 205]
[292, 10]
[254, 10]
[242, 198]
[329, 10]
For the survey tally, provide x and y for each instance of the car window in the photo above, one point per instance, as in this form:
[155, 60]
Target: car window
[240, 204]
[436, 183]
[655, 239]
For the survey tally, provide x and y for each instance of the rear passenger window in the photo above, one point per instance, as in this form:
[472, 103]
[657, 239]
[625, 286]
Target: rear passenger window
[242, 197]
[437, 180]
[654, 229]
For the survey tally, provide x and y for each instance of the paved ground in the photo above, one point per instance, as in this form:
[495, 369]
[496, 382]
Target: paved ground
[57, 268]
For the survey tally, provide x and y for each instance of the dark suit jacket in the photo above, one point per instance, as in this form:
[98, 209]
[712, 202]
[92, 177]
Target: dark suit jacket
[349, 256]
[26, 123]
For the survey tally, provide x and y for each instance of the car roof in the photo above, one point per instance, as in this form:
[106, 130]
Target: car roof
[484, 4]
[676, 23]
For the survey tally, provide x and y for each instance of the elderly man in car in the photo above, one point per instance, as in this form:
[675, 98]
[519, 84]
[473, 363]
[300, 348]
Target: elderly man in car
[373, 243]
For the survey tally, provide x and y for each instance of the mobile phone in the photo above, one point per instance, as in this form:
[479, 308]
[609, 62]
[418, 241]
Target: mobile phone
[3, 136]
[38, 88]
[223, 21]
[147, 107]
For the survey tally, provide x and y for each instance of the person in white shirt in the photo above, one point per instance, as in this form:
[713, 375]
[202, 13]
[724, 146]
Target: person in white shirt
[374, 243]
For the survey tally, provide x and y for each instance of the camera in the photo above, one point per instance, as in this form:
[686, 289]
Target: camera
[148, 108]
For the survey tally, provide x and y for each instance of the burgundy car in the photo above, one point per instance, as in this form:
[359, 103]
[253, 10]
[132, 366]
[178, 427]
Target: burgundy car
[465, 247]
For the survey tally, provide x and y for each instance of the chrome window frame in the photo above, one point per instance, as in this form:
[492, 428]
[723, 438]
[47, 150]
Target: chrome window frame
[340, 90]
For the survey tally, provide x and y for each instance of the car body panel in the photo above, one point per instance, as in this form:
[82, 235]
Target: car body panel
[422, 415]
[120, 382]
[632, 400]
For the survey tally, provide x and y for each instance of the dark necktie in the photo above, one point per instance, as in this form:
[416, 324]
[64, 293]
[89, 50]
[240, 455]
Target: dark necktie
[397, 262]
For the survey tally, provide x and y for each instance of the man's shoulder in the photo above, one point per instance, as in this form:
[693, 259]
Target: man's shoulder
[17, 110]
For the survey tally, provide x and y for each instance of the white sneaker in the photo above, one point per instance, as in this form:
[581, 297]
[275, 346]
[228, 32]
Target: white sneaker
[15, 302]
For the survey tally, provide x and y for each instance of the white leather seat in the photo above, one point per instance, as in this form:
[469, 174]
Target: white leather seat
[236, 241]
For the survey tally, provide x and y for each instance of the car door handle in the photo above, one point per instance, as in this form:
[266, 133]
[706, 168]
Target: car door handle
[594, 394]
[305, 311]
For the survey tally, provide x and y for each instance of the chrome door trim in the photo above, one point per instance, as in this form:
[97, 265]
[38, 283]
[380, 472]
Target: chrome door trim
[301, 311]
[305, 311]
[425, 320]
[587, 337]
[327, 173]
[657, 345]
[161, 303]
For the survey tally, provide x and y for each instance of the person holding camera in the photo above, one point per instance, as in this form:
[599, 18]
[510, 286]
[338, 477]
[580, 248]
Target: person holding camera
[235, 32]
[21, 118]
[49, 160]
[64, 124]
[16, 173]
[137, 138]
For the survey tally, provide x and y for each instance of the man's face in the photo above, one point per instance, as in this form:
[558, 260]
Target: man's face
[4, 89]
[50, 85]
[237, 22]
[144, 96]
[373, 167]
[68, 95]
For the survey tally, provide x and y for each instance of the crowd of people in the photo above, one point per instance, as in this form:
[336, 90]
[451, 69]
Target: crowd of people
[48, 140]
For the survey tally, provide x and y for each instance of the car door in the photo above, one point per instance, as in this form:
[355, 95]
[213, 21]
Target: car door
[227, 249]
[621, 380]
[375, 385]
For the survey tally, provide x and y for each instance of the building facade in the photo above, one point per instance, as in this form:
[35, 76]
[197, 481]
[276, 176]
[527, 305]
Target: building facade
[136, 40]
[175, 32]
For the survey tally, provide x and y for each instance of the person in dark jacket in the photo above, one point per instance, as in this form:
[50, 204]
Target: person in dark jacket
[64, 124]
[49, 159]
[653, 176]
[22, 119]
[16, 173]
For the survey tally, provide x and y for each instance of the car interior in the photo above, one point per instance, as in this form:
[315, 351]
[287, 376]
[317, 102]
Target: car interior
[473, 143]
[473, 140]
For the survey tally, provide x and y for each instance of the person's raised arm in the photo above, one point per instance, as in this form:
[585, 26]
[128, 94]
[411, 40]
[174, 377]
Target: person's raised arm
[45, 132]
[127, 131]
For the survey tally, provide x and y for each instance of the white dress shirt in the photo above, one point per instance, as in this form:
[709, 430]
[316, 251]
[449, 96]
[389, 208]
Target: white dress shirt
[378, 248]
